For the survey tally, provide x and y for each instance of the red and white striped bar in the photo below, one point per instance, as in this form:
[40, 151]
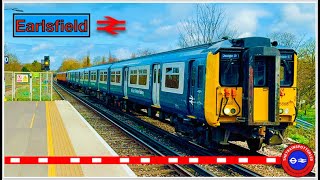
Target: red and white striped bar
[142, 160]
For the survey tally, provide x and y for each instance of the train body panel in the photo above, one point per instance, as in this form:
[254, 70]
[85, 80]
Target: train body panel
[61, 77]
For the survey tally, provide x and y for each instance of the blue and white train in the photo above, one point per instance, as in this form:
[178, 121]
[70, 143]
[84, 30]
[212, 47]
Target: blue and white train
[233, 89]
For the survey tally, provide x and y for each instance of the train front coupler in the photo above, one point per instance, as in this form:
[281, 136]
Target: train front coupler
[273, 137]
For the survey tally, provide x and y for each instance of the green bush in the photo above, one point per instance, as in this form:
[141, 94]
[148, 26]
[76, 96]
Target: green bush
[301, 135]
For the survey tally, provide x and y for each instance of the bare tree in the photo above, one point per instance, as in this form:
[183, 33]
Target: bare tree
[133, 55]
[208, 25]
[306, 64]
[287, 39]
[111, 58]
[145, 52]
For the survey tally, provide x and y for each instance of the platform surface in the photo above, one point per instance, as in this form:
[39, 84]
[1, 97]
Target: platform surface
[54, 129]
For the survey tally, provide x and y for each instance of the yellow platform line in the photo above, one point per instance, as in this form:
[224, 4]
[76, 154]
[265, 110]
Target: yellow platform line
[34, 115]
[51, 167]
[62, 143]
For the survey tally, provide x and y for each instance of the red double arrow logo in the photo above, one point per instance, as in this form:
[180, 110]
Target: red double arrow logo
[111, 25]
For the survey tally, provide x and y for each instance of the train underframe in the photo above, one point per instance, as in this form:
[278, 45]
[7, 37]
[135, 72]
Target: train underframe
[201, 133]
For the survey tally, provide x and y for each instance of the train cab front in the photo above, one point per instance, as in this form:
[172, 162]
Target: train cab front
[251, 102]
[261, 90]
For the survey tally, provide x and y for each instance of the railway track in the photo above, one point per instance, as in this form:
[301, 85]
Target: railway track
[231, 149]
[133, 142]
[193, 149]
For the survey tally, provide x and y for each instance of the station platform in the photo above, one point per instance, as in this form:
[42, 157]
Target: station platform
[54, 128]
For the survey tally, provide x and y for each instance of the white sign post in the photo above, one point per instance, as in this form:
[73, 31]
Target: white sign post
[40, 86]
[4, 88]
[30, 87]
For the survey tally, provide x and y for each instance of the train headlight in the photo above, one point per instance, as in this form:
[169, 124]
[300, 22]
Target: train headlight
[226, 110]
[280, 111]
[233, 110]
[286, 111]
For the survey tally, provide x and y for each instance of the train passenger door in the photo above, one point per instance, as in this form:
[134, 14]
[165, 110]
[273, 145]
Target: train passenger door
[125, 82]
[192, 83]
[156, 85]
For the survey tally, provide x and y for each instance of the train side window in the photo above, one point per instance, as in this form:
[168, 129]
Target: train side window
[86, 76]
[172, 78]
[103, 76]
[118, 76]
[113, 76]
[93, 76]
[200, 76]
[133, 76]
[142, 77]
[229, 72]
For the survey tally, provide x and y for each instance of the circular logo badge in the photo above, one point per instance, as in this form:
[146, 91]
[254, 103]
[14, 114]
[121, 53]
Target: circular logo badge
[298, 160]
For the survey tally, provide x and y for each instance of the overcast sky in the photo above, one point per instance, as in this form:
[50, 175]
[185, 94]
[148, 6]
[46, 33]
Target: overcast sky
[153, 26]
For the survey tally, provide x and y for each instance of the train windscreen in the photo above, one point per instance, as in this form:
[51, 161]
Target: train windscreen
[286, 70]
[229, 69]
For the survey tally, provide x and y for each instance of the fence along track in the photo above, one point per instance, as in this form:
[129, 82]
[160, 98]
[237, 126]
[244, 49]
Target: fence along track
[303, 124]
[35, 86]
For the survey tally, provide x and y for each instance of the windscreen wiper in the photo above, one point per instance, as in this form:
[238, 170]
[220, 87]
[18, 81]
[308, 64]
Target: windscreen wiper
[287, 66]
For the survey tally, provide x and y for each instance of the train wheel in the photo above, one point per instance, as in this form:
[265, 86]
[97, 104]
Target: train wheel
[254, 144]
[162, 116]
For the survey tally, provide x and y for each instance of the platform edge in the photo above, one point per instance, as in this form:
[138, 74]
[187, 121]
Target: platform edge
[125, 167]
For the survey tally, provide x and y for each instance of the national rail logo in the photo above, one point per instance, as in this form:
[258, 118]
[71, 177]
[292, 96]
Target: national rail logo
[298, 160]
[51, 25]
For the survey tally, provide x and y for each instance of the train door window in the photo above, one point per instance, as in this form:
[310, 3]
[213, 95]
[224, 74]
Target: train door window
[133, 76]
[286, 73]
[260, 71]
[142, 77]
[159, 75]
[193, 78]
[200, 76]
[229, 72]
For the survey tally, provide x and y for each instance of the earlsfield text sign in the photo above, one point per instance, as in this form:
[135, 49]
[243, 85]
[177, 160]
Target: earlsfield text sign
[51, 25]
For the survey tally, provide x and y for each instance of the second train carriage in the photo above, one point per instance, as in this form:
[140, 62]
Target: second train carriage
[238, 89]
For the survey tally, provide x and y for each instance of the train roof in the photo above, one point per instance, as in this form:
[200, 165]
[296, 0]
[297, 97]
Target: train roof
[203, 49]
